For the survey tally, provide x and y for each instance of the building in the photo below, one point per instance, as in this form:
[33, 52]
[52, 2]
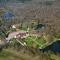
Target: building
[18, 34]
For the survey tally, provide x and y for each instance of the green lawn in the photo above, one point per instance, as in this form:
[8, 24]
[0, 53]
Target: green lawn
[36, 41]
[4, 55]
[55, 57]
[12, 54]
[57, 36]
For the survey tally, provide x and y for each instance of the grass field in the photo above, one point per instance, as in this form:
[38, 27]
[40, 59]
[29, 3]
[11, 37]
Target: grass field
[12, 54]
[5, 55]
[34, 41]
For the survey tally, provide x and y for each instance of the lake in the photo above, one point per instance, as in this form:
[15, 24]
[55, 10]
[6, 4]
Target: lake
[54, 47]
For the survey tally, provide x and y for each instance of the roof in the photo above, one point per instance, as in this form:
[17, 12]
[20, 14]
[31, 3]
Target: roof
[13, 34]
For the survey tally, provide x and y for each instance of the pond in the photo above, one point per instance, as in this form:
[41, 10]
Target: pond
[7, 15]
[40, 26]
[54, 47]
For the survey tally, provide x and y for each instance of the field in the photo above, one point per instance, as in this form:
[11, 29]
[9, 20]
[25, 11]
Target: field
[11, 54]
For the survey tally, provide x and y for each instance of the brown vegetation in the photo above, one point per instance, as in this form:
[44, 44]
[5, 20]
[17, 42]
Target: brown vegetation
[46, 14]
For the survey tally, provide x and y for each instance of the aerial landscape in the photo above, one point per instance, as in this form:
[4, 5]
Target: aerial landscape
[29, 29]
